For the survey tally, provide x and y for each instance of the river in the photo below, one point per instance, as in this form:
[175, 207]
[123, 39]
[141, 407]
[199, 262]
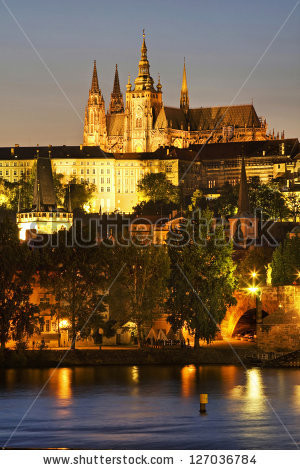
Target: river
[150, 407]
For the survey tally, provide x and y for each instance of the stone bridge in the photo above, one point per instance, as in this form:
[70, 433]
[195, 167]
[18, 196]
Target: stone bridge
[280, 305]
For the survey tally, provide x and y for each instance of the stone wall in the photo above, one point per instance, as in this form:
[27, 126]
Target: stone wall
[280, 330]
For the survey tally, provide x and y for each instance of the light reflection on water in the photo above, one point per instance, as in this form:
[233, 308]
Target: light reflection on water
[151, 407]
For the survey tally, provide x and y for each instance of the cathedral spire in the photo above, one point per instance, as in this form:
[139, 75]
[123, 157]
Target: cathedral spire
[184, 95]
[95, 85]
[144, 80]
[116, 100]
[243, 202]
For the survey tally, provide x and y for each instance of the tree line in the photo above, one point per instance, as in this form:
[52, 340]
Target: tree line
[192, 283]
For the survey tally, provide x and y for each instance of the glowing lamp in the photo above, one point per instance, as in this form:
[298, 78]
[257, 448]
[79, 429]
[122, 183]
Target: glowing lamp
[252, 289]
[64, 324]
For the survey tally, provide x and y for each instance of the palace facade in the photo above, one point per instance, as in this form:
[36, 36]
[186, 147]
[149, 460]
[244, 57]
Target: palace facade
[116, 175]
[143, 123]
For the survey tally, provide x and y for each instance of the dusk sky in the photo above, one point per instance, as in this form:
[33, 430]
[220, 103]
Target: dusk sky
[221, 40]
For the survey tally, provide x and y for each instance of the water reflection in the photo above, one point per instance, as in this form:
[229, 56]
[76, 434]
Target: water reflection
[296, 397]
[252, 393]
[135, 374]
[150, 407]
[64, 384]
[188, 381]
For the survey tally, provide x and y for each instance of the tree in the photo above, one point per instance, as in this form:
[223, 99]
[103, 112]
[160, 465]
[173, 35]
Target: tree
[198, 201]
[140, 292]
[77, 277]
[17, 267]
[293, 202]
[202, 281]
[226, 204]
[82, 195]
[268, 198]
[59, 188]
[156, 187]
[285, 263]
[256, 260]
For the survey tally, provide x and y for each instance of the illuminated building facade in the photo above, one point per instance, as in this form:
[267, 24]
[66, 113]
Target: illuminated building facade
[144, 123]
[116, 176]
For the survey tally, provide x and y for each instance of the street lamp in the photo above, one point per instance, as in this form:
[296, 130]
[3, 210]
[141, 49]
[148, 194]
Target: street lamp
[64, 324]
[255, 290]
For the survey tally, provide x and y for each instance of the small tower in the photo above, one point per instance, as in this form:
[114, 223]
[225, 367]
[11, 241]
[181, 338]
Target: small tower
[116, 99]
[159, 86]
[44, 217]
[243, 226]
[128, 86]
[95, 120]
[184, 95]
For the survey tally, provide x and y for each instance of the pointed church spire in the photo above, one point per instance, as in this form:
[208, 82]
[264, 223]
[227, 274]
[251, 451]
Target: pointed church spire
[184, 95]
[116, 100]
[95, 84]
[144, 80]
[243, 202]
[116, 88]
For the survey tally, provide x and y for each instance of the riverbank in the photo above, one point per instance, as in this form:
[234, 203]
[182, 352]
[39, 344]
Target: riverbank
[213, 354]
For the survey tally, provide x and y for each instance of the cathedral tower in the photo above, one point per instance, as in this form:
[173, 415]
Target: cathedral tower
[184, 95]
[95, 121]
[116, 100]
[143, 104]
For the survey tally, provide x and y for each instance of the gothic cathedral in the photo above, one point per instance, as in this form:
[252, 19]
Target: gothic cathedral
[145, 124]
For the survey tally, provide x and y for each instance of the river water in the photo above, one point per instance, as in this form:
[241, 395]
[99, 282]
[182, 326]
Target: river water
[150, 407]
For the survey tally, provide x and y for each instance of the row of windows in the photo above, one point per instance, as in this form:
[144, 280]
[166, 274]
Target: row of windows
[15, 164]
[14, 173]
[83, 163]
[87, 172]
[127, 172]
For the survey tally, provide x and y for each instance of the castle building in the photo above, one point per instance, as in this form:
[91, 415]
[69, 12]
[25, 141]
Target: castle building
[116, 175]
[145, 123]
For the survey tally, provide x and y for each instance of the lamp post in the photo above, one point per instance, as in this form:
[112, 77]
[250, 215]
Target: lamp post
[256, 290]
